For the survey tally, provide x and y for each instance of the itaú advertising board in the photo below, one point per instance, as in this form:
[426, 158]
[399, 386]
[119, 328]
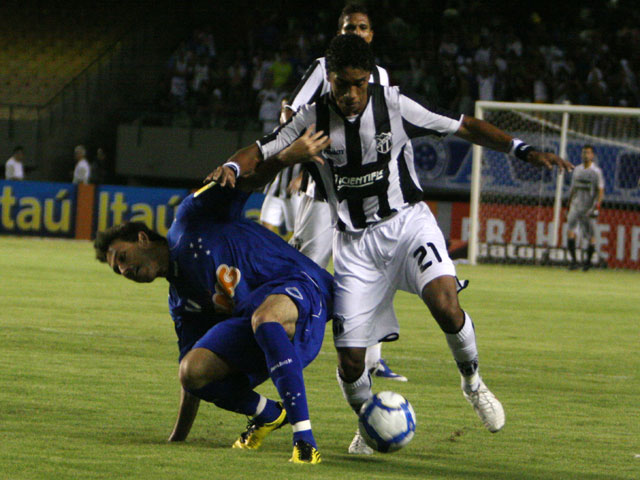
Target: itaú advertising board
[47, 209]
[522, 234]
[155, 207]
[36, 208]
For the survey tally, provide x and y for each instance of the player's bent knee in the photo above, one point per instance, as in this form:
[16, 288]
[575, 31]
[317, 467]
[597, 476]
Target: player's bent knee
[260, 317]
[441, 297]
[198, 368]
[279, 309]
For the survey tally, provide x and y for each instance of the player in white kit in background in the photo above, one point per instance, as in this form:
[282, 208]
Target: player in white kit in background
[585, 198]
[313, 231]
[387, 238]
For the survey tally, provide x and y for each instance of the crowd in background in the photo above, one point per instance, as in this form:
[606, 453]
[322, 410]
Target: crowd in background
[449, 57]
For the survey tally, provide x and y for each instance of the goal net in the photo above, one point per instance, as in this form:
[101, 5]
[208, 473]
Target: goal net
[518, 211]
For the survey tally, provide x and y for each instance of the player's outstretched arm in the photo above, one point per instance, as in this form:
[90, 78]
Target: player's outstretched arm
[243, 161]
[187, 412]
[247, 162]
[304, 149]
[487, 135]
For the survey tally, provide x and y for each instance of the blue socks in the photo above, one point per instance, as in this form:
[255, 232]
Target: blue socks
[285, 371]
[234, 394]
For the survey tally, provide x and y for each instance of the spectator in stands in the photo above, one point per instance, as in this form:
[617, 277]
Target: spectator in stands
[486, 80]
[201, 73]
[201, 106]
[270, 99]
[596, 85]
[82, 171]
[281, 69]
[13, 169]
[206, 38]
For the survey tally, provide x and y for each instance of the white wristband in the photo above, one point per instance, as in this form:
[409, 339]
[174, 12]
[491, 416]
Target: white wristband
[233, 166]
[519, 149]
[515, 143]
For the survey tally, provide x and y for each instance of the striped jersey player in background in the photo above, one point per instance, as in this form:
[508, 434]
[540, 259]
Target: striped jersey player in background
[313, 232]
[387, 239]
[280, 202]
[585, 197]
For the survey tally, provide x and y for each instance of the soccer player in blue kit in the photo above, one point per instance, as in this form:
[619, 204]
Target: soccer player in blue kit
[246, 306]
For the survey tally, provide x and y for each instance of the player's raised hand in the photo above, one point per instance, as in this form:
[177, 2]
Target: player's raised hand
[548, 160]
[306, 148]
[225, 176]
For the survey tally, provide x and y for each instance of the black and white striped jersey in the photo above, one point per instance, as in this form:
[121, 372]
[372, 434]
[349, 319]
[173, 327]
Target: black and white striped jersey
[314, 83]
[366, 177]
[278, 186]
[312, 86]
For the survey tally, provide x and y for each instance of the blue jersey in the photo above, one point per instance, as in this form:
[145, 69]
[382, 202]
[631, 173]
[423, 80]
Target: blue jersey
[218, 259]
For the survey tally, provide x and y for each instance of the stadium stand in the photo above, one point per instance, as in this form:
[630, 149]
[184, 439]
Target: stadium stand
[449, 54]
[43, 47]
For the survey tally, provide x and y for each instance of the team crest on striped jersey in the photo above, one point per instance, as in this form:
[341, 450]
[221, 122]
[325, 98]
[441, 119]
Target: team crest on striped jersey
[383, 142]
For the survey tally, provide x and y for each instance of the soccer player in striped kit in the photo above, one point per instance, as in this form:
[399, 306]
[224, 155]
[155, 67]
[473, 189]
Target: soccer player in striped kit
[280, 203]
[312, 233]
[386, 238]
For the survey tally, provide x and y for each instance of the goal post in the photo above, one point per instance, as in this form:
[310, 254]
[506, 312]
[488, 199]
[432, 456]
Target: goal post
[517, 211]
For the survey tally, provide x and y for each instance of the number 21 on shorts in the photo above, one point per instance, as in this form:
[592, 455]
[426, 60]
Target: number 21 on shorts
[421, 254]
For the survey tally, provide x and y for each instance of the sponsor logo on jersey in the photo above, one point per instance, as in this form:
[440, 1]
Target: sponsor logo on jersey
[227, 279]
[358, 182]
[332, 151]
[383, 142]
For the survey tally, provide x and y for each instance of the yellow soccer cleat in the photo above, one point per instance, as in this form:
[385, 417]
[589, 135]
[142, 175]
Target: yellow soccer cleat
[252, 437]
[304, 452]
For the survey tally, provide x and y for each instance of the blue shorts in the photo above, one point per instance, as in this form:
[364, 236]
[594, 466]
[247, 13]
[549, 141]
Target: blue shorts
[234, 341]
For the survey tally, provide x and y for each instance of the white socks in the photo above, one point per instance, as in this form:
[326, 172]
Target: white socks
[465, 353]
[358, 392]
[374, 352]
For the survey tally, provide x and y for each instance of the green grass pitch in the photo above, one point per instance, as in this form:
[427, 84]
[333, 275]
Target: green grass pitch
[88, 383]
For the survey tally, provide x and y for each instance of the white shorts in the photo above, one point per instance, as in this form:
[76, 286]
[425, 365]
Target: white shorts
[404, 252]
[312, 231]
[582, 220]
[276, 211]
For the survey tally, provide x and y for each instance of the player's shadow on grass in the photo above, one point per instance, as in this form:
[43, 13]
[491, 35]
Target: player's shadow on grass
[195, 442]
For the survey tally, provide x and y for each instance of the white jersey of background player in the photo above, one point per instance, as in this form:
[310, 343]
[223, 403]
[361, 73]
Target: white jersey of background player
[312, 231]
[585, 197]
[280, 203]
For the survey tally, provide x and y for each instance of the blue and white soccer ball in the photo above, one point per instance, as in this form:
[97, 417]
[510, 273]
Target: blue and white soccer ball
[387, 422]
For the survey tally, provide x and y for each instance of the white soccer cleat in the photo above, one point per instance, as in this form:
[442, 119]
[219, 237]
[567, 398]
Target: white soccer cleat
[487, 406]
[358, 445]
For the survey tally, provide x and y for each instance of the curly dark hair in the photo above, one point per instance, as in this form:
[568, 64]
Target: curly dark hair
[349, 51]
[350, 9]
[127, 232]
